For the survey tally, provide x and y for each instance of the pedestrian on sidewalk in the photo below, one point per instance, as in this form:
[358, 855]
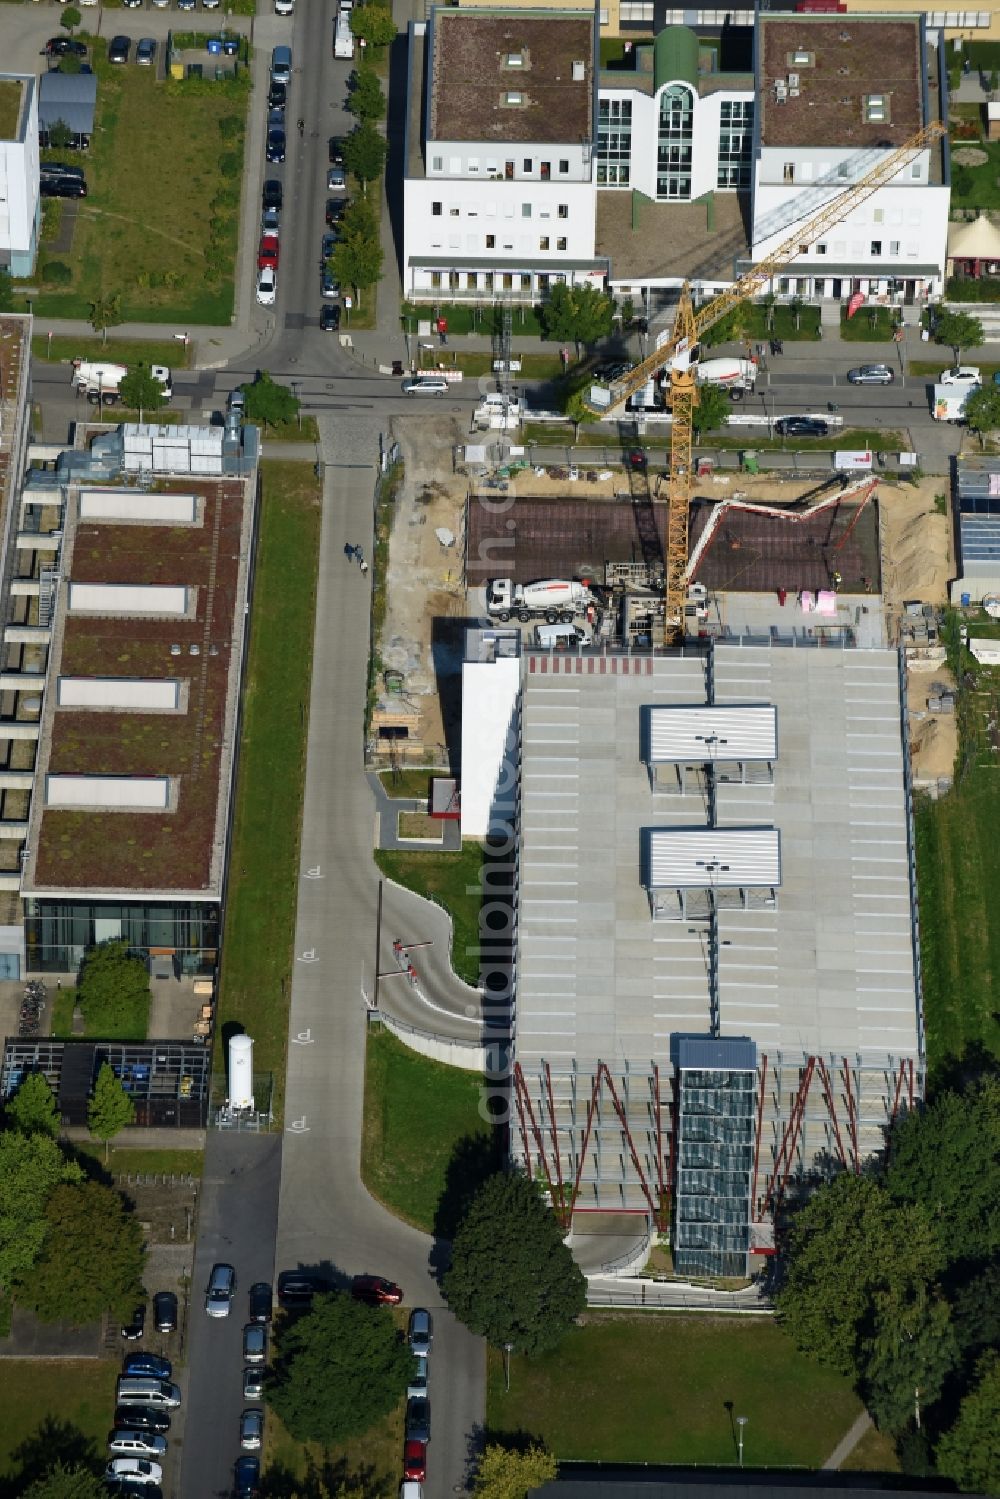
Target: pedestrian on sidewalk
[397, 949]
[350, 551]
[364, 565]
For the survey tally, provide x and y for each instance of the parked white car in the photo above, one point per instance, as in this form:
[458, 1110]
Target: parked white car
[267, 287]
[133, 1470]
[962, 374]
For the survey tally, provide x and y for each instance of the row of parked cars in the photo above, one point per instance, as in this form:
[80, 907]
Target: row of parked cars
[220, 1293]
[268, 251]
[145, 1396]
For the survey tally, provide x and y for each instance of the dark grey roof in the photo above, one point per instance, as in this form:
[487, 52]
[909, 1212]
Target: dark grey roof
[712, 1484]
[717, 1053]
[70, 97]
[979, 541]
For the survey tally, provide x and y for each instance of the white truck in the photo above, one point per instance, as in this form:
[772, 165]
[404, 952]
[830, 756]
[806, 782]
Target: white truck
[948, 404]
[556, 600]
[490, 413]
[343, 36]
[735, 376]
[100, 381]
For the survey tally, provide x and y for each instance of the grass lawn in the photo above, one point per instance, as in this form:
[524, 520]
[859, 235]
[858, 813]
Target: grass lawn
[416, 1113]
[464, 317]
[293, 431]
[976, 187]
[146, 1162]
[371, 1463]
[39, 1397]
[958, 874]
[10, 108]
[453, 880]
[758, 441]
[263, 872]
[63, 1002]
[935, 370]
[407, 783]
[869, 325]
[164, 185]
[875, 1453]
[663, 1388]
[168, 351]
[533, 366]
[756, 322]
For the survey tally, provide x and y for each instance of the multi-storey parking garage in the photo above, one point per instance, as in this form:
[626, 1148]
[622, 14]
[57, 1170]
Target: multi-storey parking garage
[716, 985]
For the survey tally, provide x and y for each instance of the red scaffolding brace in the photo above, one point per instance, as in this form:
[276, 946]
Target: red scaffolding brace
[831, 1104]
[789, 1140]
[852, 1117]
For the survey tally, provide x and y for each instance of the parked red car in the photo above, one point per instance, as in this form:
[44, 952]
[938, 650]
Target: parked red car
[267, 255]
[415, 1461]
[376, 1290]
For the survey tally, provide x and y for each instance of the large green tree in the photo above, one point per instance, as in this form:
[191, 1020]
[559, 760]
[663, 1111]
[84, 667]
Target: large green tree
[506, 1473]
[898, 1361]
[365, 152]
[357, 261]
[577, 314]
[856, 1261]
[711, 409]
[970, 1452]
[67, 1481]
[141, 391]
[512, 1278]
[268, 402]
[366, 100]
[6, 291]
[92, 1259]
[31, 1167]
[33, 1109]
[113, 990]
[339, 1369]
[958, 331]
[982, 412]
[373, 24]
[110, 1108]
[947, 1157]
[105, 309]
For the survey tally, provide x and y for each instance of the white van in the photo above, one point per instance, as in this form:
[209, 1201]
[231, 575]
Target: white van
[343, 36]
[563, 637]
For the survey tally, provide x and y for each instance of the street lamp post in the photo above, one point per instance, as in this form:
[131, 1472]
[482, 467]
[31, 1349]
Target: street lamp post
[508, 1349]
[741, 1421]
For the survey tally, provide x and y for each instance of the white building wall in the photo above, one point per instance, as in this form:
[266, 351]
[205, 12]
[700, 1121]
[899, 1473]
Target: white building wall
[489, 757]
[909, 218]
[483, 159]
[20, 212]
[645, 133]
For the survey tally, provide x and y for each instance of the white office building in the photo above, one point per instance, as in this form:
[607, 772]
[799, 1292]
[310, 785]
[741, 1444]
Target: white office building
[499, 193]
[20, 213]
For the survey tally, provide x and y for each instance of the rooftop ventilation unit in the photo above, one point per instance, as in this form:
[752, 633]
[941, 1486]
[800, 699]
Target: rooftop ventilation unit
[793, 80]
[579, 72]
[515, 60]
[781, 91]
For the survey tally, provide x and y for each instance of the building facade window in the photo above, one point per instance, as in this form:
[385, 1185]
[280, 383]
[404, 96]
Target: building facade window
[543, 243]
[614, 143]
[637, 11]
[436, 209]
[735, 143]
[564, 164]
[560, 244]
[675, 132]
[491, 242]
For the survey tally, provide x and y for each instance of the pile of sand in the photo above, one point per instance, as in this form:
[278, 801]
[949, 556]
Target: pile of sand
[916, 543]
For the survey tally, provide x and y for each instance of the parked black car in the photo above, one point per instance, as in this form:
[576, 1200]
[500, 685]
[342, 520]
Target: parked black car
[275, 143]
[296, 1288]
[165, 1311]
[329, 319]
[260, 1301]
[277, 95]
[272, 196]
[801, 426]
[119, 48]
[335, 209]
[132, 1331]
[62, 46]
[62, 185]
[142, 1418]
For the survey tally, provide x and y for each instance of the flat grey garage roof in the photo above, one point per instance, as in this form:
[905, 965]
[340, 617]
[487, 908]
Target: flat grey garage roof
[830, 969]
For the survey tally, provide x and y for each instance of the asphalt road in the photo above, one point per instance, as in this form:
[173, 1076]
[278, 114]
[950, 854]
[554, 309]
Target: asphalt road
[237, 1225]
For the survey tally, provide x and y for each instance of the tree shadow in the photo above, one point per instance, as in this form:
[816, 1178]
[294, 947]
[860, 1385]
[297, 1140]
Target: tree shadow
[474, 1158]
[323, 1480]
[961, 1070]
[54, 1441]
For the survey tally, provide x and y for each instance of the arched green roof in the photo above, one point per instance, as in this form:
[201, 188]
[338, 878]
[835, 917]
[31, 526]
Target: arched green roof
[675, 55]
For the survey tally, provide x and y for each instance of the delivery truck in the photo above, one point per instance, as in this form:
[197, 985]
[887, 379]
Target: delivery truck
[949, 402]
[100, 381]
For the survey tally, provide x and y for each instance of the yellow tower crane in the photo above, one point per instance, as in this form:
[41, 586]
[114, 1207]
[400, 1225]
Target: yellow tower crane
[681, 351]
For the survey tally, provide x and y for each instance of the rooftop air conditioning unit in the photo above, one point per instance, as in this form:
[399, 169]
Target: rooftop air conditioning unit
[793, 80]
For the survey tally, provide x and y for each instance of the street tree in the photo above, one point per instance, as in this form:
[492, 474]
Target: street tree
[958, 331]
[110, 1108]
[970, 1452]
[503, 1473]
[856, 1259]
[947, 1157]
[711, 409]
[70, 18]
[67, 1481]
[373, 24]
[113, 990]
[6, 291]
[512, 1277]
[580, 314]
[60, 135]
[92, 1260]
[366, 100]
[141, 391]
[33, 1109]
[364, 153]
[578, 412]
[898, 1360]
[357, 261]
[339, 1369]
[68, 64]
[105, 312]
[268, 402]
[31, 1167]
[982, 412]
